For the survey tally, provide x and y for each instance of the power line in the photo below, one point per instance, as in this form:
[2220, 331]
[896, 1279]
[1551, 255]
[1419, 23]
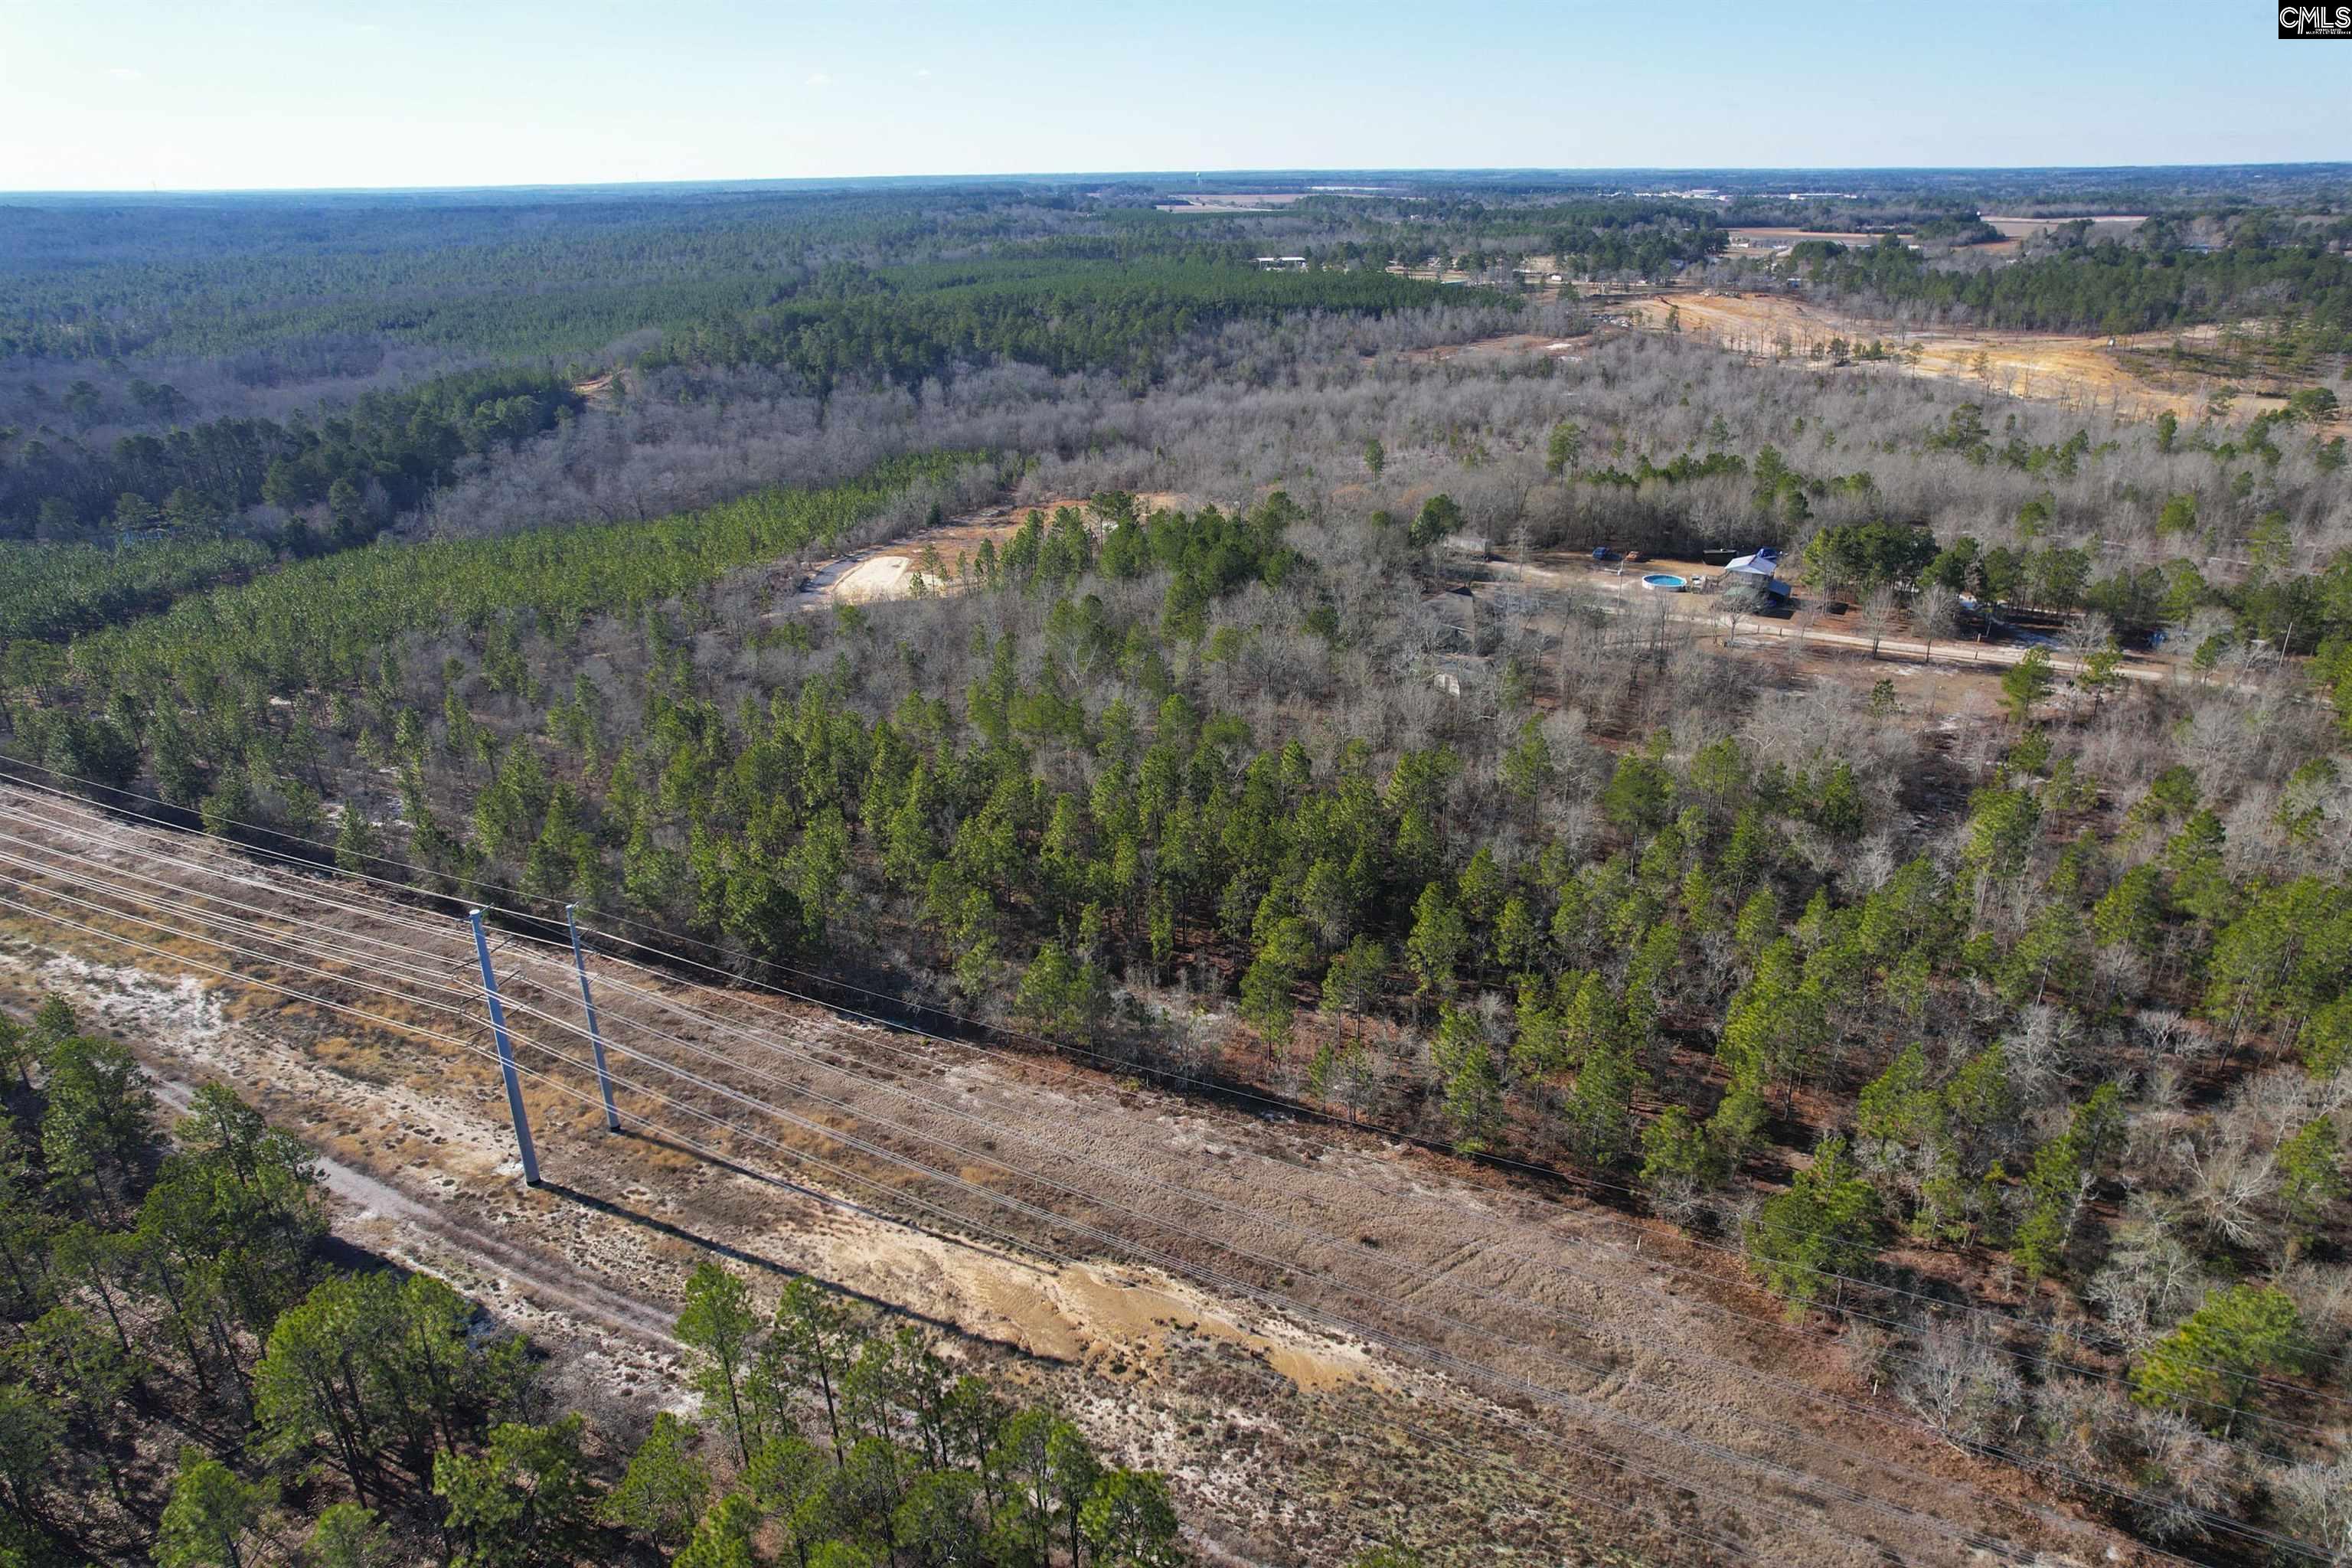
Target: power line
[1993, 1448]
[1739, 1550]
[1677, 1481]
[1325, 1239]
[1052, 1048]
[1049, 1047]
[2108, 1343]
[918, 1099]
[1571, 1403]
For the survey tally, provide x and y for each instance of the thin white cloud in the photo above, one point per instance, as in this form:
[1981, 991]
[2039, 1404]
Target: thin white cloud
[126, 73]
[820, 78]
[922, 71]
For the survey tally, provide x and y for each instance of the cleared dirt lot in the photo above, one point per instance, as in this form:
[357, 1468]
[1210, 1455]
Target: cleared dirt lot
[2047, 366]
[1512, 346]
[1339, 1340]
[937, 557]
[2104, 225]
[1752, 241]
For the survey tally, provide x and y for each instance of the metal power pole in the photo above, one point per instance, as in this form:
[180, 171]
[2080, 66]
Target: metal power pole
[506, 1052]
[595, 1034]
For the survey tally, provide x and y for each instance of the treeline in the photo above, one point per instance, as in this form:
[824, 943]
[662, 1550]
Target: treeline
[175, 1345]
[275, 281]
[547, 274]
[2111, 287]
[909, 325]
[1650, 239]
[845, 1446]
[381, 457]
[326, 623]
[2296, 611]
[184, 1380]
[2293, 612]
[52, 592]
[258, 280]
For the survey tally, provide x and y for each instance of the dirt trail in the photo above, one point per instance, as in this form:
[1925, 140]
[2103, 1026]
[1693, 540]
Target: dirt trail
[1810, 628]
[1294, 1444]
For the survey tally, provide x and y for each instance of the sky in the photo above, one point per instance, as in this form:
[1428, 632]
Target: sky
[266, 94]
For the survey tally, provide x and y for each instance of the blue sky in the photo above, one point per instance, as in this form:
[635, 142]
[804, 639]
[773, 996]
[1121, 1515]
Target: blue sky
[240, 94]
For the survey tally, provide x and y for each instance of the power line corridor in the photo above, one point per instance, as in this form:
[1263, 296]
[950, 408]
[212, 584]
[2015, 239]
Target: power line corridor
[881, 1121]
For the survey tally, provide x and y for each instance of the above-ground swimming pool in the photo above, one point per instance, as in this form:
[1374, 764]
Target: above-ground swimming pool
[1664, 582]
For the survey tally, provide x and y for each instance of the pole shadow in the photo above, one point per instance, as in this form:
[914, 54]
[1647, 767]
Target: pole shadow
[781, 1270]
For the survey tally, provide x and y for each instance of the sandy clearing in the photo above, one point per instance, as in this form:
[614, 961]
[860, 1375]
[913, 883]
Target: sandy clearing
[937, 556]
[1512, 345]
[1296, 1444]
[2080, 370]
[876, 577]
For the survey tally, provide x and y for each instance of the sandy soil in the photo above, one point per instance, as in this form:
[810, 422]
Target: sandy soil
[1512, 346]
[1584, 1378]
[890, 571]
[2053, 367]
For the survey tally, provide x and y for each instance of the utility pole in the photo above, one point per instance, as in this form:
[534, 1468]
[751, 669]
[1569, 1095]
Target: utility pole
[506, 1052]
[595, 1034]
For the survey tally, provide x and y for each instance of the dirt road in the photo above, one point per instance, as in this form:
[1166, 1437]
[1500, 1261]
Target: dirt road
[1704, 610]
[1527, 1378]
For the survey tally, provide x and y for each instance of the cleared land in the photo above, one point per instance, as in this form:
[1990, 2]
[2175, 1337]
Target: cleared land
[2087, 371]
[1753, 241]
[938, 557]
[1808, 622]
[1595, 1378]
[1507, 347]
[2104, 225]
[1232, 201]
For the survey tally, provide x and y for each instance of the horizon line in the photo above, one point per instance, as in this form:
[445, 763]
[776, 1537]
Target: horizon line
[1162, 177]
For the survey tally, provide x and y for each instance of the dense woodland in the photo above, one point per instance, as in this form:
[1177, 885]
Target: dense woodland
[2153, 283]
[2047, 1011]
[163, 357]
